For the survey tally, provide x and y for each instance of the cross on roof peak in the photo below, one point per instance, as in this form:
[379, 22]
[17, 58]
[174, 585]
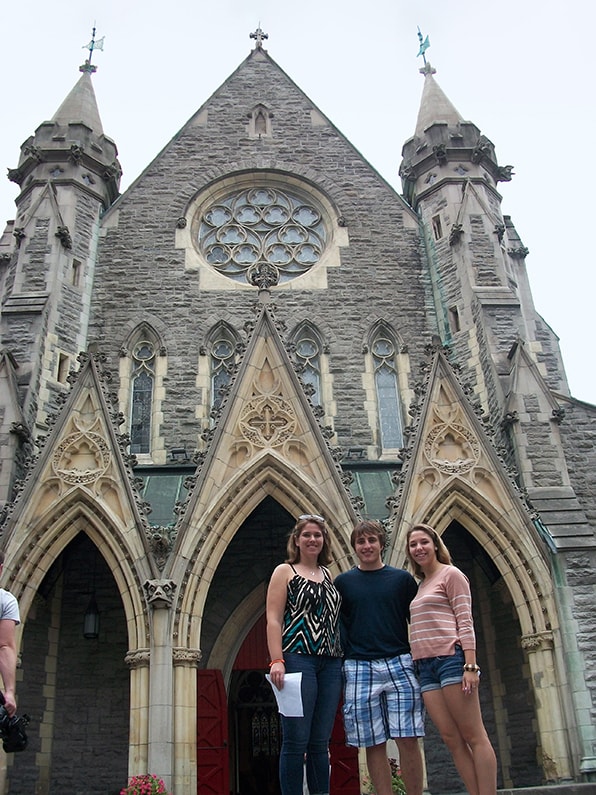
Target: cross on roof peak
[259, 36]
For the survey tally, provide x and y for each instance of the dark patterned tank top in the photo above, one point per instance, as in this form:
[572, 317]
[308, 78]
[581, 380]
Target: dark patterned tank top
[311, 617]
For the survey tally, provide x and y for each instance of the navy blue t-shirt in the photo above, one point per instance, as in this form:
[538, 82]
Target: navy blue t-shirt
[375, 611]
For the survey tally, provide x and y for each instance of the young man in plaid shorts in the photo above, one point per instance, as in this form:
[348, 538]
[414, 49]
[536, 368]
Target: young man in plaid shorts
[382, 697]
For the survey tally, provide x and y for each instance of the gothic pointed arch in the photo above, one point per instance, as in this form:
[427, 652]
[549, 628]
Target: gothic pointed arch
[221, 346]
[260, 122]
[384, 349]
[81, 482]
[142, 369]
[453, 473]
[309, 350]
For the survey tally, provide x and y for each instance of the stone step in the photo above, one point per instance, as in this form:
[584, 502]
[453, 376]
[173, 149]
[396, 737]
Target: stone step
[546, 789]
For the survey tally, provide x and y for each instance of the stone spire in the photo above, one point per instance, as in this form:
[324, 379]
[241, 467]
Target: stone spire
[434, 105]
[80, 105]
[71, 146]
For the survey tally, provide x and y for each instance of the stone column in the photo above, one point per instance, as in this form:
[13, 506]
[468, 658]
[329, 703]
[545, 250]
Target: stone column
[160, 594]
[186, 662]
[138, 662]
[551, 724]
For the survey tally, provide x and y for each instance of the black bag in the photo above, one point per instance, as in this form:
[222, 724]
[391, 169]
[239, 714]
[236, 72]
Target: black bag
[12, 730]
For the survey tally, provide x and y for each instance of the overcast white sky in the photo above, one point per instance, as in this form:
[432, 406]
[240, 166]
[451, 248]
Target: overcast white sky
[520, 69]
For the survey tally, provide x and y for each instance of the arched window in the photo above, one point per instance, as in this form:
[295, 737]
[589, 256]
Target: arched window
[223, 363]
[308, 350]
[383, 351]
[141, 404]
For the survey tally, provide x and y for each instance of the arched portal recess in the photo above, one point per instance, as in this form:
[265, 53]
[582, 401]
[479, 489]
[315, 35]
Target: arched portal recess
[506, 691]
[75, 688]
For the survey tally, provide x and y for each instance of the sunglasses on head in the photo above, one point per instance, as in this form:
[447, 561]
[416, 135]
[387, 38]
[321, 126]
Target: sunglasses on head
[314, 516]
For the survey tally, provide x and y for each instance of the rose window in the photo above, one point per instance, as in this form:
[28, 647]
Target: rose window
[262, 230]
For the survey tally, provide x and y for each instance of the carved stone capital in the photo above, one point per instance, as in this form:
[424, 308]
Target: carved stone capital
[137, 659]
[160, 593]
[537, 641]
[186, 658]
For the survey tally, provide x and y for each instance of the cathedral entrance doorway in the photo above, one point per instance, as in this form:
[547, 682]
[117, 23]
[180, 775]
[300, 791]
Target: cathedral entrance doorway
[255, 734]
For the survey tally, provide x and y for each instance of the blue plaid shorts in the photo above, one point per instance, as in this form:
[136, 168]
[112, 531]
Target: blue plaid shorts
[381, 701]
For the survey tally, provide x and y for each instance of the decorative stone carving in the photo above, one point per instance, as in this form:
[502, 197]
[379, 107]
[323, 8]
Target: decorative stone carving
[455, 234]
[537, 641]
[558, 415]
[160, 593]
[518, 253]
[64, 237]
[188, 658]
[161, 540]
[33, 152]
[137, 659]
[81, 457]
[482, 148]
[76, 153]
[263, 275]
[15, 175]
[452, 448]
[18, 234]
[181, 223]
[505, 173]
[510, 418]
[440, 152]
[499, 232]
[267, 421]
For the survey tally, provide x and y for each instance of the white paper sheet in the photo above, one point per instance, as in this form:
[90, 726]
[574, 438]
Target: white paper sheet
[289, 699]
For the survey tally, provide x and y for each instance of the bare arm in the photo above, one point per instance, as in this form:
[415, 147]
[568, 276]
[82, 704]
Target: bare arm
[8, 662]
[277, 595]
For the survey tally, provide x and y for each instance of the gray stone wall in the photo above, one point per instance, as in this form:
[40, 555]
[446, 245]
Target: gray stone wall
[140, 272]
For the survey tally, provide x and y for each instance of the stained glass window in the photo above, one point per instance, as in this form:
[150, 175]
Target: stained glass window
[262, 225]
[143, 379]
[390, 424]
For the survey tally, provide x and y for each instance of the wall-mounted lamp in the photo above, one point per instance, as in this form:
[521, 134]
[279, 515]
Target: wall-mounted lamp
[91, 620]
[355, 452]
[179, 454]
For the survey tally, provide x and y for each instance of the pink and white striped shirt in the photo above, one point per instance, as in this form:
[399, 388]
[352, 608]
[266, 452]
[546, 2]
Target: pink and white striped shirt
[441, 615]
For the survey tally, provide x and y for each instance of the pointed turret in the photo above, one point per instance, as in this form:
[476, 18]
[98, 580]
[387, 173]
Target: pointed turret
[71, 148]
[445, 140]
[69, 174]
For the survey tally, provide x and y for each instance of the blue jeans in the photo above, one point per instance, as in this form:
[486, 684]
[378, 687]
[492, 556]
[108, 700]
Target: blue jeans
[307, 738]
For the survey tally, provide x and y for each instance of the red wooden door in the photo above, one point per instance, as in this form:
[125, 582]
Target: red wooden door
[345, 778]
[213, 770]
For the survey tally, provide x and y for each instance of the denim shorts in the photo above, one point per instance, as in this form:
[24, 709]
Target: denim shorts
[437, 672]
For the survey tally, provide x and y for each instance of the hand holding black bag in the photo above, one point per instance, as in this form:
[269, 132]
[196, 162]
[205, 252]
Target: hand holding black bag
[12, 730]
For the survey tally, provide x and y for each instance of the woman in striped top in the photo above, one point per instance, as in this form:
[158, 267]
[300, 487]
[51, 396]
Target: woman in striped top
[443, 646]
[303, 637]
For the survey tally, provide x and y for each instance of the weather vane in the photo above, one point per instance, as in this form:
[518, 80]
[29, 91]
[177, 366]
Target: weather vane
[93, 45]
[424, 45]
[259, 37]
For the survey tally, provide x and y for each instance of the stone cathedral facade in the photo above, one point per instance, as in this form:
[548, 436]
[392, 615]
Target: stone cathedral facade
[260, 327]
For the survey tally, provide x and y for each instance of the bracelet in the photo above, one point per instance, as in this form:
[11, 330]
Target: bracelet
[473, 667]
[276, 661]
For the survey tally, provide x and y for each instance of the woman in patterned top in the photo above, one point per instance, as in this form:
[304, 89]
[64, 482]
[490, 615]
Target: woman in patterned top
[303, 636]
[443, 646]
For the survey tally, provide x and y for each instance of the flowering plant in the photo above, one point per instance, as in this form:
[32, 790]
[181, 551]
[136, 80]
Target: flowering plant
[147, 784]
[397, 782]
